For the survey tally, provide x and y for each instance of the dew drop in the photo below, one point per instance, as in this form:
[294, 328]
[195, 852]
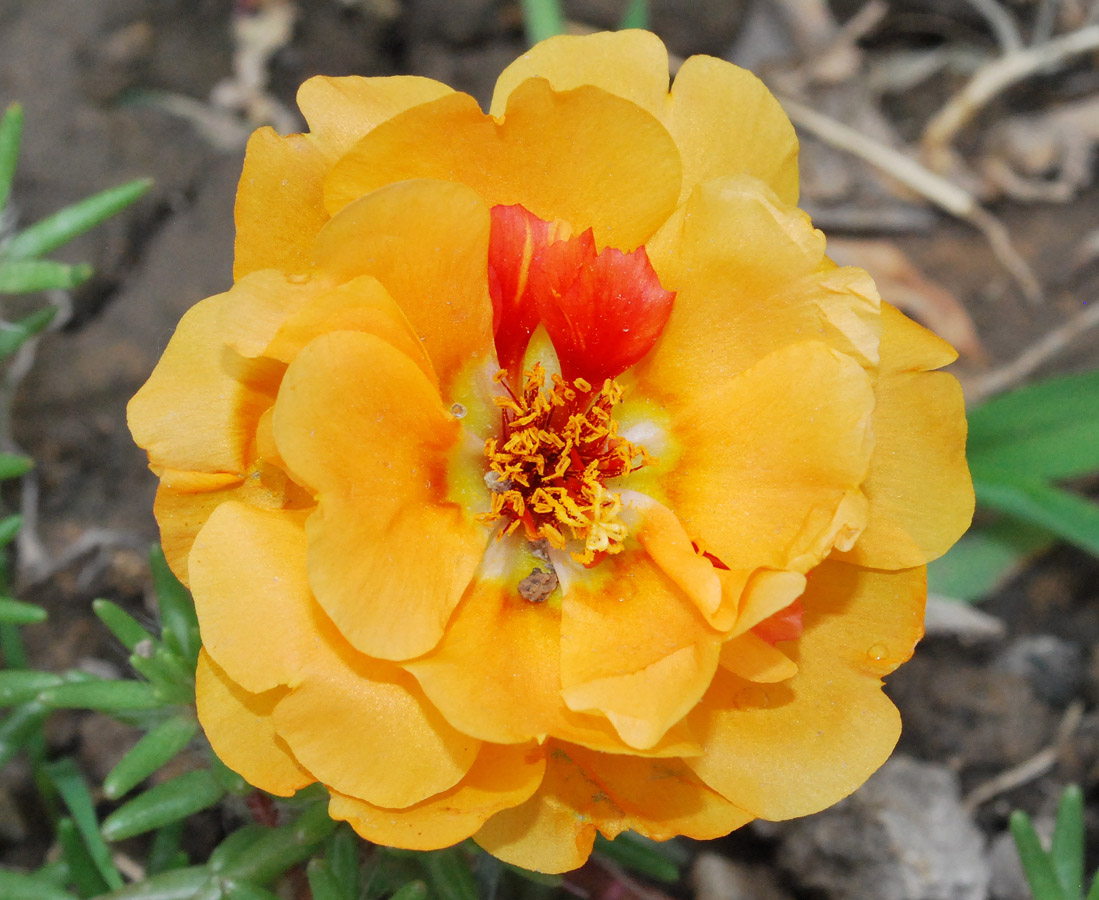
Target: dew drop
[458, 411]
[877, 652]
[753, 696]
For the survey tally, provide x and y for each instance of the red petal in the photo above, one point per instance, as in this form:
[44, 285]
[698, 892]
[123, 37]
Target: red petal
[785, 625]
[515, 238]
[603, 311]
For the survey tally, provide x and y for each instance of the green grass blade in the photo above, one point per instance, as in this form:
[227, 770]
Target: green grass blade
[542, 19]
[17, 886]
[21, 685]
[28, 276]
[82, 869]
[154, 750]
[1067, 850]
[636, 15]
[60, 228]
[103, 695]
[15, 334]
[19, 728]
[16, 612]
[170, 801]
[74, 791]
[1036, 864]
[12, 465]
[11, 134]
[177, 611]
[120, 623]
[1067, 515]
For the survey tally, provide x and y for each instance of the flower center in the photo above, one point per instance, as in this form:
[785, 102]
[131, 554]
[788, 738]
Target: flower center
[547, 471]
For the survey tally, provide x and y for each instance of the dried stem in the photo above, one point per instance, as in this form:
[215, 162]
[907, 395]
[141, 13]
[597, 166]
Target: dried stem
[943, 193]
[1035, 355]
[993, 78]
[1002, 24]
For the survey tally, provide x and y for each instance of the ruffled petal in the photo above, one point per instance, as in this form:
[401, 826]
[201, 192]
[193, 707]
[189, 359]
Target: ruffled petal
[500, 778]
[365, 729]
[340, 111]
[198, 410]
[615, 663]
[753, 659]
[725, 122]
[427, 243]
[790, 749]
[920, 492]
[771, 460]
[630, 64]
[723, 119]
[750, 277]
[280, 203]
[389, 554]
[585, 791]
[238, 726]
[496, 674]
[248, 578]
[595, 160]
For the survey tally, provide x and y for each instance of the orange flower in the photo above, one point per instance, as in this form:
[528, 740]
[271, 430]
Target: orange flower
[540, 474]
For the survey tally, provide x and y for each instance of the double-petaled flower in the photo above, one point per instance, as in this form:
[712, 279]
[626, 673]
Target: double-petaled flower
[540, 474]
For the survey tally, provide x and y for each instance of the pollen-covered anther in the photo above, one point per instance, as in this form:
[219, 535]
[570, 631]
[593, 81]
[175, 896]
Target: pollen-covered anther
[559, 445]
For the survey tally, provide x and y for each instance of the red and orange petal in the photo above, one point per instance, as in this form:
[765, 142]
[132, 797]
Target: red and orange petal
[584, 792]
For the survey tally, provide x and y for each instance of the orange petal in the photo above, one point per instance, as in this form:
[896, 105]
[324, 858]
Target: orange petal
[750, 277]
[199, 408]
[248, 578]
[182, 510]
[389, 556]
[920, 493]
[361, 304]
[341, 110]
[365, 729]
[723, 119]
[500, 778]
[584, 791]
[725, 122]
[772, 459]
[496, 673]
[238, 726]
[765, 593]
[444, 229]
[753, 659]
[615, 663]
[595, 160]
[280, 203]
[790, 749]
[629, 64]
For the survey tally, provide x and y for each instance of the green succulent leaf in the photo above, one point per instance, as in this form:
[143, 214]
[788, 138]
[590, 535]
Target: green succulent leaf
[1036, 864]
[10, 526]
[14, 335]
[283, 847]
[21, 685]
[16, 612]
[414, 890]
[165, 852]
[17, 886]
[120, 623]
[29, 276]
[20, 728]
[449, 875]
[179, 884]
[177, 611]
[104, 695]
[13, 465]
[58, 229]
[639, 854]
[542, 19]
[170, 801]
[82, 869]
[636, 15]
[1067, 515]
[154, 750]
[1067, 849]
[323, 884]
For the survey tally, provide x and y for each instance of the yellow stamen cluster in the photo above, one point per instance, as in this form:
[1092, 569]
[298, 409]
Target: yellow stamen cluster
[547, 471]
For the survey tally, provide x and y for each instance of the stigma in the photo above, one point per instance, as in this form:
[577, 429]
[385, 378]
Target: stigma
[548, 470]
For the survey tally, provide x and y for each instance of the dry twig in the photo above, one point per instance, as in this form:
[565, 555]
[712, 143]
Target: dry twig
[1040, 763]
[1005, 377]
[943, 193]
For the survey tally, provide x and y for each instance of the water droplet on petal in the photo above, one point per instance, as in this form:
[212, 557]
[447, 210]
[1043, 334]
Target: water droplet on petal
[458, 411]
[752, 696]
[877, 652]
